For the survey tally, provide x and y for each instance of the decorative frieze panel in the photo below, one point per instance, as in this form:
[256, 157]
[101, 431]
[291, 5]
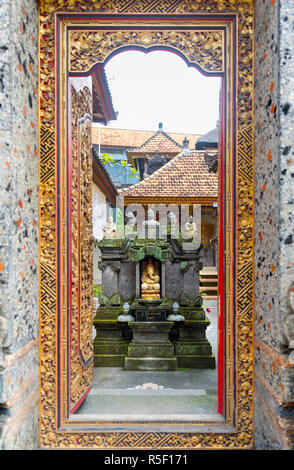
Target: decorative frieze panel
[202, 48]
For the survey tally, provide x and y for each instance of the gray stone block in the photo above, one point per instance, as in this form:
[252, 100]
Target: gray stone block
[127, 281]
[109, 281]
[173, 280]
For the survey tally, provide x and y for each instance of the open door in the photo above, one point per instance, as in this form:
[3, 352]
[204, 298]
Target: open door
[80, 252]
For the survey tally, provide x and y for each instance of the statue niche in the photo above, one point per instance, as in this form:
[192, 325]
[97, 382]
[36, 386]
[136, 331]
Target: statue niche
[150, 280]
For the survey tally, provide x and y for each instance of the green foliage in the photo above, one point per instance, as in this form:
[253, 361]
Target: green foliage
[97, 290]
[108, 159]
[119, 221]
[134, 172]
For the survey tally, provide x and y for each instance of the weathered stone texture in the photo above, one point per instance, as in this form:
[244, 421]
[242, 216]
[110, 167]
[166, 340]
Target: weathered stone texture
[19, 222]
[127, 281]
[274, 218]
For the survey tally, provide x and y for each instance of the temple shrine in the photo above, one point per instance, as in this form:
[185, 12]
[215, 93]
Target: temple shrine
[150, 315]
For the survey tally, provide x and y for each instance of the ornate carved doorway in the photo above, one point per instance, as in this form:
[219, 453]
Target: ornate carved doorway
[76, 38]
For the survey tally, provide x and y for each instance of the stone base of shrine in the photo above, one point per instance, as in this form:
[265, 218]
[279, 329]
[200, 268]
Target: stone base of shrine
[110, 348]
[195, 362]
[150, 364]
[150, 348]
[192, 348]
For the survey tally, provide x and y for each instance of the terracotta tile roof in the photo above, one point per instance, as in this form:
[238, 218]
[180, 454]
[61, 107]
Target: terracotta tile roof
[129, 138]
[161, 142]
[185, 176]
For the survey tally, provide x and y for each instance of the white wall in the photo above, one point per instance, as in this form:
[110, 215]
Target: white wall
[99, 221]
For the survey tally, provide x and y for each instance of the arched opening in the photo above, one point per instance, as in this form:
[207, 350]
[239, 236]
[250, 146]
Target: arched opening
[155, 297]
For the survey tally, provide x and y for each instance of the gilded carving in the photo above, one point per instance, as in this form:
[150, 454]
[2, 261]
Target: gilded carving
[81, 249]
[144, 6]
[204, 48]
[80, 57]
[150, 280]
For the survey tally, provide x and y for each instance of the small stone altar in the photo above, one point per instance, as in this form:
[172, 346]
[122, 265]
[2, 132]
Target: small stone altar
[150, 348]
[142, 282]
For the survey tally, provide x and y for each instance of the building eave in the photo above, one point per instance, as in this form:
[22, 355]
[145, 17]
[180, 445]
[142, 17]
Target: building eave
[203, 201]
[102, 100]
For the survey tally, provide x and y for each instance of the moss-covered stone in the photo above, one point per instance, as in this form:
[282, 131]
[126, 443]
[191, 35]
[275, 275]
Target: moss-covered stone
[110, 347]
[185, 301]
[106, 348]
[142, 248]
[108, 360]
[107, 313]
[193, 348]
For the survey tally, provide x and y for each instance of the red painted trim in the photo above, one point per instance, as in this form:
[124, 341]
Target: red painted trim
[221, 345]
[80, 401]
[79, 16]
[79, 234]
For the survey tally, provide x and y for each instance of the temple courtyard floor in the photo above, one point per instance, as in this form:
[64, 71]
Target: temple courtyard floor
[149, 396]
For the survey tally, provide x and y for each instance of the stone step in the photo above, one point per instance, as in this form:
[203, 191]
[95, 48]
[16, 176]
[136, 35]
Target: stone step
[150, 364]
[149, 402]
[205, 288]
[209, 283]
[209, 280]
[109, 360]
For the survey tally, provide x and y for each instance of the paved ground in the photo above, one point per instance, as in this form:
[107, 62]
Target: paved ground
[178, 394]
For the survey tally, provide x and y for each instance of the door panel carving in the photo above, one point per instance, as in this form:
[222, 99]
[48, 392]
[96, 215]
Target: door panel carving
[80, 246]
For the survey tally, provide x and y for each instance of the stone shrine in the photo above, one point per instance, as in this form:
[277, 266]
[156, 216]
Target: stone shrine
[145, 284]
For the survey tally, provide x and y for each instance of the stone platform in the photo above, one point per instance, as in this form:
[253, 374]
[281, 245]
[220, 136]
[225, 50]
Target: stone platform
[119, 395]
[150, 348]
[109, 346]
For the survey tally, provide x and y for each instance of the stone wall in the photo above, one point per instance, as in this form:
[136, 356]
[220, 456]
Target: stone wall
[274, 222]
[19, 225]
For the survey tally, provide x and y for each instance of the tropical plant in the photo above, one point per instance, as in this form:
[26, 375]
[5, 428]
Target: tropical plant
[97, 290]
[110, 160]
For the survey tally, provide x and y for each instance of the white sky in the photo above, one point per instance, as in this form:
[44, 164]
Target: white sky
[159, 87]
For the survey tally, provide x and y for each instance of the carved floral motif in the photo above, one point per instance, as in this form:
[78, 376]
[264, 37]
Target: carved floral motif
[204, 48]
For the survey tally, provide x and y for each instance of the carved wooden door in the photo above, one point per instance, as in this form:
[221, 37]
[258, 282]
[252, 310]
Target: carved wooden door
[80, 270]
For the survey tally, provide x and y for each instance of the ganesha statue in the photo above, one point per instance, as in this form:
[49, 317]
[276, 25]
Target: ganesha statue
[150, 286]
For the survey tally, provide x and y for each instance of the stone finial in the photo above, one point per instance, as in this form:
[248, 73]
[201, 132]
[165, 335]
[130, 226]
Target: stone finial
[185, 146]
